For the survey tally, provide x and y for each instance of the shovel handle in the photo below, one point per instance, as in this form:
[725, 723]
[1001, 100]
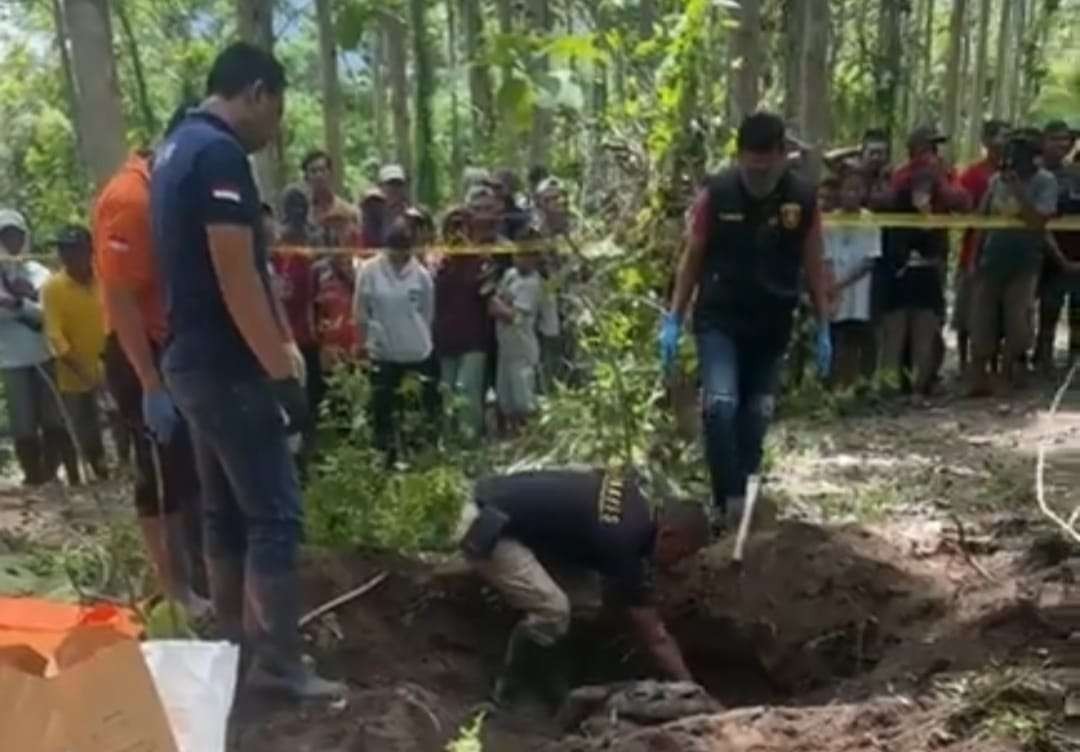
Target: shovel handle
[753, 485]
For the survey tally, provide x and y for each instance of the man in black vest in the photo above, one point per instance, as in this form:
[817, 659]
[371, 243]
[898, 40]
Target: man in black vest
[753, 230]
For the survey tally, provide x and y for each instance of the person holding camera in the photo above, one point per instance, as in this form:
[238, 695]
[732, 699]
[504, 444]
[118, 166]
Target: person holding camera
[1009, 261]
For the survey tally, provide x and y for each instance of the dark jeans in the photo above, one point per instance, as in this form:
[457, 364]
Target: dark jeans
[388, 399]
[251, 495]
[179, 481]
[739, 378]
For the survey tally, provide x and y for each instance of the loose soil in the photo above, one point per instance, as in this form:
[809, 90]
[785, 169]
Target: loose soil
[835, 636]
[900, 592]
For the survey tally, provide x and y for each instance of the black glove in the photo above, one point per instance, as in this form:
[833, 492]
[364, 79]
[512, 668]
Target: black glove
[290, 395]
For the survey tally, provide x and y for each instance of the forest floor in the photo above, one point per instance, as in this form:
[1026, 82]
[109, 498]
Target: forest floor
[907, 598]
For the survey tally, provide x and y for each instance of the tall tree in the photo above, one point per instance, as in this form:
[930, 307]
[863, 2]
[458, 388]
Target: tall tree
[541, 21]
[922, 107]
[142, 91]
[70, 89]
[426, 178]
[456, 156]
[255, 25]
[953, 68]
[331, 87]
[378, 90]
[888, 71]
[397, 68]
[1001, 62]
[746, 52]
[1013, 110]
[792, 13]
[978, 89]
[814, 112]
[481, 90]
[100, 118]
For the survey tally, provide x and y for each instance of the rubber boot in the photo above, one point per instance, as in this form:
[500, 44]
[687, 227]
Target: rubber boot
[28, 453]
[519, 667]
[552, 675]
[54, 447]
[166, 542]
[278, 664]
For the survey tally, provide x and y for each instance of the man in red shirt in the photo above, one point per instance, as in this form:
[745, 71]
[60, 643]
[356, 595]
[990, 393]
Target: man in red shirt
[135, 318]
[975, 179]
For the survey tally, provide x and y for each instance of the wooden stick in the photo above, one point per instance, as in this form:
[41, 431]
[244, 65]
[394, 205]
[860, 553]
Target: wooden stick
[342, 599]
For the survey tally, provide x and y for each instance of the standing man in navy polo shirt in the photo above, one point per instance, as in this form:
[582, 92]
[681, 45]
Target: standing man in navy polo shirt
[230, 363]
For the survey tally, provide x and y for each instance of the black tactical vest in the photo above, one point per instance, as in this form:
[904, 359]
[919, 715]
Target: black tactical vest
[753, 259]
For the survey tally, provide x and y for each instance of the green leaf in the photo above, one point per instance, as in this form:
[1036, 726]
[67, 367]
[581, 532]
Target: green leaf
[516, 100]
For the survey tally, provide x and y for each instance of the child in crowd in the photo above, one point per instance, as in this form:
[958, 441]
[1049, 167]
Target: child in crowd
[75, 327]
[516, 307]
[852, 253]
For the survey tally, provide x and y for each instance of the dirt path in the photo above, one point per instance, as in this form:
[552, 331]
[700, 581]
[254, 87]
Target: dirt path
[899, 593]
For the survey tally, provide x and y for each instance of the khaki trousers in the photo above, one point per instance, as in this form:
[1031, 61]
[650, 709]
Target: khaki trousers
[1015, 298]
[545, 597]
[920, 327]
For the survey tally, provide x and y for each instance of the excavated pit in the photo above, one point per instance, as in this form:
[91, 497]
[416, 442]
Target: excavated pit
[813, 610]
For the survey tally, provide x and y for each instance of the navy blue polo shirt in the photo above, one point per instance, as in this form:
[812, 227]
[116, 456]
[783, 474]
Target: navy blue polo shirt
[202, 177]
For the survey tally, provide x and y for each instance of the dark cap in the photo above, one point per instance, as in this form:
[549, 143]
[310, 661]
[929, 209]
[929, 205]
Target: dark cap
[71, 236]
[925, 135]
[873, 135]
[1031, 136]
[1058, 126]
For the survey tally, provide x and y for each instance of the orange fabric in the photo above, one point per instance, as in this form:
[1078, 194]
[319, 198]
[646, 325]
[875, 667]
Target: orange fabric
[44, 624]
[123, 251]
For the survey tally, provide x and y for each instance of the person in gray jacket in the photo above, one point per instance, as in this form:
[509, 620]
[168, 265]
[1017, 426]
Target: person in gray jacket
[26, 366]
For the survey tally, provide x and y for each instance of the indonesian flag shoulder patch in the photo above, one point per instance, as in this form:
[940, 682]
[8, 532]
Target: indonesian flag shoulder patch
[226, 193]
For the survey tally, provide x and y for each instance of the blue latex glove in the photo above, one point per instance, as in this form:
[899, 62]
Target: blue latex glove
[159, 415]
[824, 352]
[670, 329]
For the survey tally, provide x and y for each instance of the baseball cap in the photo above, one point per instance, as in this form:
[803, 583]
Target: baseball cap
[70, 236]
[372, 194]
[478, 193]
[549, 185]
[391, 172]
[12, 218]
[925, 135]
[1059, 126]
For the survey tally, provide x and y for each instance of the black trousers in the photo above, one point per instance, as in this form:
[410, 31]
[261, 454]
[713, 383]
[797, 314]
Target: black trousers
[177, 457]
[396, 390]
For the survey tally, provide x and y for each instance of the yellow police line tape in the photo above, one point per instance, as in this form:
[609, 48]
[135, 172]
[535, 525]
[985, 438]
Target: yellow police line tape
[559, 244]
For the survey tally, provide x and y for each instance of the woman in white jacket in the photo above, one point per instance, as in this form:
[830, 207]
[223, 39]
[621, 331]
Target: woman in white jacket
[395, 306]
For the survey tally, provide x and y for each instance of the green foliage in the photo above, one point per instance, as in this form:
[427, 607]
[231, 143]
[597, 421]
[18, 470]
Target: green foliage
[468, 739]
[356, 500]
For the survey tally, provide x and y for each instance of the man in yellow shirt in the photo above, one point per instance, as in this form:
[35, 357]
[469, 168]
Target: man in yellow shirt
[75, 328]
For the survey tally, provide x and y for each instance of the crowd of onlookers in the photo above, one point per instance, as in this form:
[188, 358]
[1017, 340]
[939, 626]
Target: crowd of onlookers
[1009, 283]
[373, 283]
[379, 283]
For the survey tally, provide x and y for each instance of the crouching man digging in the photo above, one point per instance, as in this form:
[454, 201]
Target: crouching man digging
[591, 522]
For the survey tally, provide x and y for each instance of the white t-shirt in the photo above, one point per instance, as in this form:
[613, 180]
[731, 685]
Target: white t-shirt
[846, 249]
[524, 293]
